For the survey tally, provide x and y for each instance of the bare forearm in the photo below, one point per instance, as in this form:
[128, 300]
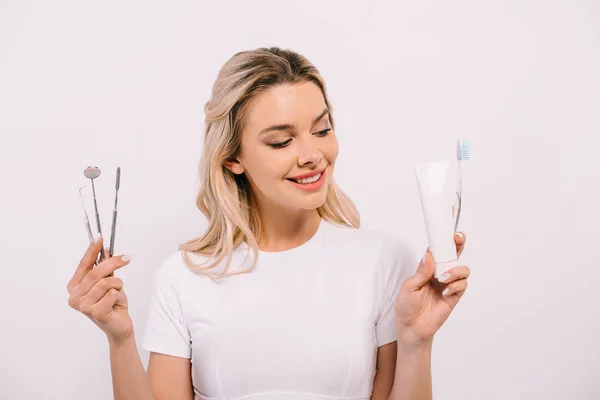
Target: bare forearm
[129, 378]
[412, 380]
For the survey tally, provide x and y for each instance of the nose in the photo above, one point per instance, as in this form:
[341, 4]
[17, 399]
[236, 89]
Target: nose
[309, 153]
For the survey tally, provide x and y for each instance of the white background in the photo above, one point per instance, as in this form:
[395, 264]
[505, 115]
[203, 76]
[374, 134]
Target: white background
[123, 83]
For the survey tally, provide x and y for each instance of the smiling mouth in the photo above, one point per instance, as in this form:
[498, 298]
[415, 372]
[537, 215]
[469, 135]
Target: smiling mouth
[305, 181]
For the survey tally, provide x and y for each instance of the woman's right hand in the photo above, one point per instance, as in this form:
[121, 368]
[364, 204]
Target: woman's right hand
[99, 296]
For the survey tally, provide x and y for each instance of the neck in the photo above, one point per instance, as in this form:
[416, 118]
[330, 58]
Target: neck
[284, 229]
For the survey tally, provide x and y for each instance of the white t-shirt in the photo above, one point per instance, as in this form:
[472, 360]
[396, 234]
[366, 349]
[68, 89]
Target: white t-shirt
[304, 324]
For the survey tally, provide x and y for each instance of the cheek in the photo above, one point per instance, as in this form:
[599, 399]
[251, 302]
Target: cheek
[331, 149]
[264, 164]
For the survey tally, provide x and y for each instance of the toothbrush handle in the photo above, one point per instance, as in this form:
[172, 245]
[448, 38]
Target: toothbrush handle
[458, 196]
[458, 207]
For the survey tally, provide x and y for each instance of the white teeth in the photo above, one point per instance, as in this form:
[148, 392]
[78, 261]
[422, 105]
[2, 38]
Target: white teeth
[309, 180]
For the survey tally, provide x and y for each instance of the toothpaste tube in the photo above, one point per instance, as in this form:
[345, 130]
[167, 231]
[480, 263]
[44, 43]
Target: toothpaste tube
[436, 190]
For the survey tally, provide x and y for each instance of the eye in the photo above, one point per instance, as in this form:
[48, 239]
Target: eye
[279, 145]
[323, 133]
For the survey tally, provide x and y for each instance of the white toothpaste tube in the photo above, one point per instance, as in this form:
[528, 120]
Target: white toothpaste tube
[436, 189]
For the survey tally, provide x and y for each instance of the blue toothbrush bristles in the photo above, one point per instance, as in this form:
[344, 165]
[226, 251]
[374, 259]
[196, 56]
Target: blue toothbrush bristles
[463, 151]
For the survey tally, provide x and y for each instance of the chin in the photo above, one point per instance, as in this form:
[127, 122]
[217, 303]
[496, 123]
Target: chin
[304, 200]
[313, 201]
[313, 205]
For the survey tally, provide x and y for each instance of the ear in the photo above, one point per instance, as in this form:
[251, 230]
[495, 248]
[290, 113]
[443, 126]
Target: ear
[234, 166]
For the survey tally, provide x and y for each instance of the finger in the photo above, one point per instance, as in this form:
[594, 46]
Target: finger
[457, 287]
[455, 274]
[423, 274]
[86, 263]
[460, 239]
[103, 269]
[121, 299]
[99, 290]
[102, 309]
[106, 252]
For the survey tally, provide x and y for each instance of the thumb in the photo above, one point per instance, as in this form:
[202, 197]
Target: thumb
[424, 272]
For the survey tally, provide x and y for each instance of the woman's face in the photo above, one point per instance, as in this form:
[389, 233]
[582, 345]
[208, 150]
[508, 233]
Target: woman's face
[288, 147]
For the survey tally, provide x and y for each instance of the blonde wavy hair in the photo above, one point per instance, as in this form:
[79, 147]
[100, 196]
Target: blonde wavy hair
[225, 198]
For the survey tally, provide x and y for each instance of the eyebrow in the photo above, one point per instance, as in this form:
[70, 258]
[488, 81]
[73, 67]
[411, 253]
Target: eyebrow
[285, 127]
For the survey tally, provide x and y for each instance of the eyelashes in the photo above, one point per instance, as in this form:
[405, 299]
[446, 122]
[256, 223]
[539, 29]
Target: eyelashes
[281, 145]
[323, 133]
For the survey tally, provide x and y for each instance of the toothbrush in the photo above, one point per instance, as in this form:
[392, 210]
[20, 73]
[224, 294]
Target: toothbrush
[463, 153]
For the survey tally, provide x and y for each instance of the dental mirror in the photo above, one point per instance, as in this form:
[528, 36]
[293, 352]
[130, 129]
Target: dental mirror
[92, 173]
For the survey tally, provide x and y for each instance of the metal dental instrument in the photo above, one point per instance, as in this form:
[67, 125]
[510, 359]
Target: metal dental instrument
[92, 173]
[114, 220]
[86, 219]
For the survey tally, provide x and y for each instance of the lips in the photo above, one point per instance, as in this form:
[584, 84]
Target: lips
[309, 182]
[307, 175]
[310, 179]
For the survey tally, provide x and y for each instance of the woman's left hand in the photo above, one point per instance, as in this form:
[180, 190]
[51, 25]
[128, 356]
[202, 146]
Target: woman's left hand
[424, 303]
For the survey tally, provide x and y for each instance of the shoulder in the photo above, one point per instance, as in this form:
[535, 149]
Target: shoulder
[167, 271]
[186, 268]
[174, 267]
[390, 255]
[385, 244]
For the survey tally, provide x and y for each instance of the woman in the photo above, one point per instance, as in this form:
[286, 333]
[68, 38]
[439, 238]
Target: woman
[282, 297]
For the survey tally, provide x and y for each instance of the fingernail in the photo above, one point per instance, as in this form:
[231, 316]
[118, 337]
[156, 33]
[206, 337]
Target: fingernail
[444, 277]
[126, 258]
[445, 292]
[97, 237]
[460, 235]
[424, 259]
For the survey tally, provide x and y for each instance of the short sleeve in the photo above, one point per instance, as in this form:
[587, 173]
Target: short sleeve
[398, 262]
[166, 332]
